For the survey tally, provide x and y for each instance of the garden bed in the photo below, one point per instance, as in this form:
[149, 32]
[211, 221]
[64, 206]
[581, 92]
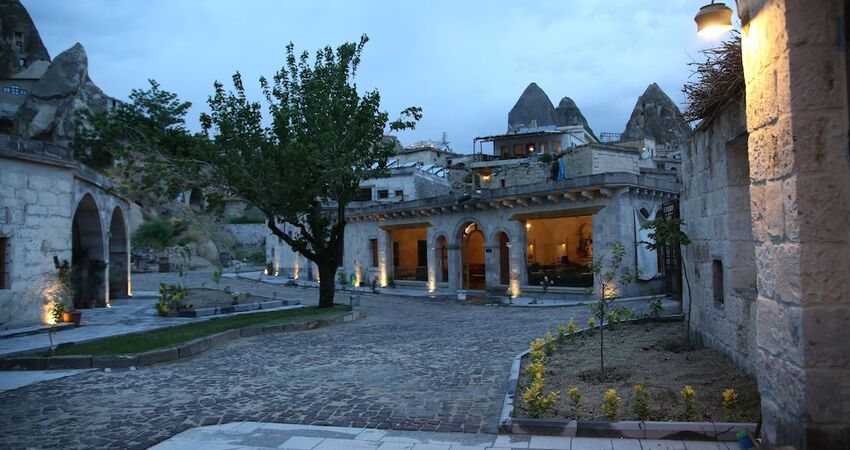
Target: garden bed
[200, 302]
[649, 353]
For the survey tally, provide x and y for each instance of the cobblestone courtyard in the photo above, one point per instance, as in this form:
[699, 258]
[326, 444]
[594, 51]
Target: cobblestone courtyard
[412, 364]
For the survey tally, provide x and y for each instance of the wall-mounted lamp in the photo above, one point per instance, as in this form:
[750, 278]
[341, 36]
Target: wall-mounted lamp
[713, 20]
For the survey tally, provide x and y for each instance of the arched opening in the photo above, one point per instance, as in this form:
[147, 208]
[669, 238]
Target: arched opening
[504, 258]
[472, 254]
[196, 199]
[118, 260]
[441, 259]
[87, 255]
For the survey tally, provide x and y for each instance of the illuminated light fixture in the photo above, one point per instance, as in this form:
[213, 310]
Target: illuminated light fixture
[527, 226]
[713, 20]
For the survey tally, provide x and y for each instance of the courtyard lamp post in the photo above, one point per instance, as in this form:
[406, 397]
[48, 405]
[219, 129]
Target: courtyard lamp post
[713, 20]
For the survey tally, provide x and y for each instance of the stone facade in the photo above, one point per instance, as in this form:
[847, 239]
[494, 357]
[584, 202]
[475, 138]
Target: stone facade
[249, 234]
[609, 199]
[43, 192]
[721, 258]
[798, 344]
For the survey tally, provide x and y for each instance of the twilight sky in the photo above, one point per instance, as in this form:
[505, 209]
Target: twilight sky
[464, 62]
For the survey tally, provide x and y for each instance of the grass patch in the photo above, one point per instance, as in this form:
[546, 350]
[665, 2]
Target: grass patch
[169, 337]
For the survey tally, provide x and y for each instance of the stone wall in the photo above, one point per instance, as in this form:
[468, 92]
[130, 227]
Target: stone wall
[526, 171]
[721, 258]
[248, 234]
[38, 200]
[36, 221]
[594, 158]
[795, 67]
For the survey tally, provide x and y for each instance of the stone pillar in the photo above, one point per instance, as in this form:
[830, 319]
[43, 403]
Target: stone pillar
[517, 253]
[797, 118]
[491, 264]
[455, 267]
[433, 261]
[385, 254]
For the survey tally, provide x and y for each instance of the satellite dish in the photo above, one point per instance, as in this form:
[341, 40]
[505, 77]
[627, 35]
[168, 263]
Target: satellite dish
[645, 154]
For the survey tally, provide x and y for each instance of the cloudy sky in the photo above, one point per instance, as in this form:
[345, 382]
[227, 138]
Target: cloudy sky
[464, 62]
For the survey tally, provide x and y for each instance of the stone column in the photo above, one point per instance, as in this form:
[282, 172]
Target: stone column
[455, 267]
[385, 254]
[491, 265]
[797, 117]
[517, 255]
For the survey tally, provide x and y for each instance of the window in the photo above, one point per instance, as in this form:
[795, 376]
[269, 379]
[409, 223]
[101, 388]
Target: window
[517, 150]
[717, 281]
[14, 89]
[502, 182]
[529, 148]
[19, 41]
[22, 62]
[4, 277]
[542, 147]
[422, 253]
[396, 256]
[399, 193]
[373, 246]
[383, 193]
[364, 194]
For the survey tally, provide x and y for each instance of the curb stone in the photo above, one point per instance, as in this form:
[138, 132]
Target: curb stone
[714, 431]
[182, 351]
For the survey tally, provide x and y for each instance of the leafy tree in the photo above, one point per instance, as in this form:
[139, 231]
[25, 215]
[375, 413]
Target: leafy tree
[300, 166]
[667, 233]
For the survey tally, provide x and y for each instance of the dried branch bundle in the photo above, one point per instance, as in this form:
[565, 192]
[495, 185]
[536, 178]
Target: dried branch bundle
[719, 80]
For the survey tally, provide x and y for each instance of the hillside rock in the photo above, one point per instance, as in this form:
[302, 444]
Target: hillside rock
[657, 117]
[568, 114]
[49, 113]
[14, 18]
[533, 105]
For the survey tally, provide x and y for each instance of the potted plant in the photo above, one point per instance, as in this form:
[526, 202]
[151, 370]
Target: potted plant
[62, 308]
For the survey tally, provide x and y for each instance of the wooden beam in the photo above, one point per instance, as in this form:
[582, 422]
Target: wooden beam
[553, 198]
[571, 196]
[522, 201]
[495, 205]
[606, 192]
[588, 195]
[507, 203]
[536, 200]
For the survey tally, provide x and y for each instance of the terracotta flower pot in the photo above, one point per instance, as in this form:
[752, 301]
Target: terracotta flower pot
[72, 316]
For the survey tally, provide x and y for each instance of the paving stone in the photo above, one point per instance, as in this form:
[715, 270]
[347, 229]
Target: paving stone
[412, 364]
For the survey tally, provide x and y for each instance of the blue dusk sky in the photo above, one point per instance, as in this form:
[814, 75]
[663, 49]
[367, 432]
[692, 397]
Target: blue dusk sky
[464, 62]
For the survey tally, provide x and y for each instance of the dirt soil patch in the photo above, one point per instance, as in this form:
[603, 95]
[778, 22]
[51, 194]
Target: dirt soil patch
[648, 353]
[207, 298]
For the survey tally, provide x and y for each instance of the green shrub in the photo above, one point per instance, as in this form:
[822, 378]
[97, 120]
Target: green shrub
[546, 158]
[157, 234]
[170, 298]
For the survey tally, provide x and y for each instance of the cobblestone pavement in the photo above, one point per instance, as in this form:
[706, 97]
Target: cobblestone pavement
[412, 364]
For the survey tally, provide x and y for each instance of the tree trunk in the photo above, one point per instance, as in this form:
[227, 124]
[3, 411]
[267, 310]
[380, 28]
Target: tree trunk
[327, 280]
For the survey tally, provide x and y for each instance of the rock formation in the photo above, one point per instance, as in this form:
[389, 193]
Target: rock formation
[533, 106]
[16, 25]
[50, 111]
[568, 114]
[657, 117]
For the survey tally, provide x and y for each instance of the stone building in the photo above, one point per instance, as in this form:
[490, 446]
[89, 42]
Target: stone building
[513, 224]
[52, 207]
[767, 199]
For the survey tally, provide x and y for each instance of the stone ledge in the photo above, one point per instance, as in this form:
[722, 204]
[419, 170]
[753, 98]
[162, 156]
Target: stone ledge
[714, 431]
[182, 351]
[242, 307]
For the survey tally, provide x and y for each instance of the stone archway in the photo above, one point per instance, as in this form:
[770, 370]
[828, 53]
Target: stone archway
[473, 268]
[118, 257]
[196, 199]
[87, 256]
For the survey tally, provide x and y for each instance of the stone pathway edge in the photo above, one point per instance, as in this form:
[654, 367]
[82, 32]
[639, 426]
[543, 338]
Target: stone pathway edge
[185, 350]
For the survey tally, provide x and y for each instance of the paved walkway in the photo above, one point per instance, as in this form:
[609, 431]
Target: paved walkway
[255, 435]
[412, 364]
